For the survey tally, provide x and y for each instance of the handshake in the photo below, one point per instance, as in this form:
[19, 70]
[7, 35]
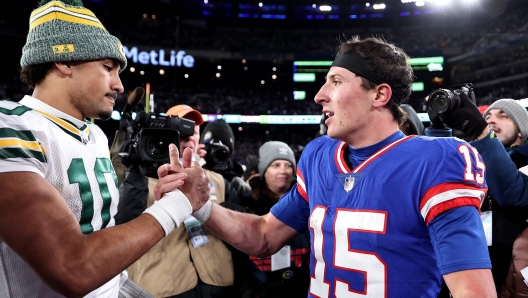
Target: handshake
[182, 190]
[466, 118]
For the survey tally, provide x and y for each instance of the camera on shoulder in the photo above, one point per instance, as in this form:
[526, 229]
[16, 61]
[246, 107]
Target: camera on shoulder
[150, 135]
[442, 100]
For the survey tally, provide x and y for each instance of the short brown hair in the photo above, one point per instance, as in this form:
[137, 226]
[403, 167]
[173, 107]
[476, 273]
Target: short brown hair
[33, 75]
[387, 61]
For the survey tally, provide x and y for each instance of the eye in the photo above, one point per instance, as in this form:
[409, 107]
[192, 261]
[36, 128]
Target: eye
[108, 68]
[335, 82]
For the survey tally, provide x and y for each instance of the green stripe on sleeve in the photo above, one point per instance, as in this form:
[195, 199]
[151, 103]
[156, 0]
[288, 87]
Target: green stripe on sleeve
[26, 135]
[6, 153]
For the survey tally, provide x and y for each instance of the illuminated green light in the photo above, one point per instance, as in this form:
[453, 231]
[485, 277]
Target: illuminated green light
[425, 60]
[304, 77]
[417, 86]
[312, 63]
[299, 95]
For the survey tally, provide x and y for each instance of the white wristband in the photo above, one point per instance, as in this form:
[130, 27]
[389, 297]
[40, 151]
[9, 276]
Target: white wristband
[202, 214]
[171, 210]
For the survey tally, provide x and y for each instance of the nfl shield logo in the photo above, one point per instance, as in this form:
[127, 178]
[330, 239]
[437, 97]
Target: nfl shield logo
[349, 183]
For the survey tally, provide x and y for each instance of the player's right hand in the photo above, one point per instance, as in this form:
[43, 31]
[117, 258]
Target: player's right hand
[196, 184]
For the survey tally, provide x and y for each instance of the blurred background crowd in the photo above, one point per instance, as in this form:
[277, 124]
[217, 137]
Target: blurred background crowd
[244, 53]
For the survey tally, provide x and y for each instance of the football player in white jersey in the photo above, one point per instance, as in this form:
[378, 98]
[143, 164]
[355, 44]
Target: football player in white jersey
[59, 189]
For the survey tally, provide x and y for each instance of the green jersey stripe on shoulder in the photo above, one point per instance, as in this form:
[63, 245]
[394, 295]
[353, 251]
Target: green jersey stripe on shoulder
[6, 153]
[26, 135]
[18, 111]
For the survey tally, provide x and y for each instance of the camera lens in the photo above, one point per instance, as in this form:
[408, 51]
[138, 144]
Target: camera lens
[220, 155]
[439, 102]
[158, 146]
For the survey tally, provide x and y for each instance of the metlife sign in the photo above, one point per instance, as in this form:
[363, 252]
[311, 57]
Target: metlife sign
[159, 57]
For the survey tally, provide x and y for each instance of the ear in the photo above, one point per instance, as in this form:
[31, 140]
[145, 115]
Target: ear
[63, 67]
[384, 94]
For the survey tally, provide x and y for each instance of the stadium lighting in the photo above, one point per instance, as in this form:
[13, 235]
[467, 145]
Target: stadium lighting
[219, 67]
[274, 77]
[260, 4]
[186, 76]
[217, 74]
[325, 8]
[262, 82]
[245, 68]
[274, 68]
[132, 69]
[206, 1]
[314, 5]
[243, 60]
[162, 72]
[420, 3]
[142, 72]
[367, 4]
[379, 6]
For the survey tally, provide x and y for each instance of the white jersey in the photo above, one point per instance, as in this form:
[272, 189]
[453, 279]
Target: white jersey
[71, 155]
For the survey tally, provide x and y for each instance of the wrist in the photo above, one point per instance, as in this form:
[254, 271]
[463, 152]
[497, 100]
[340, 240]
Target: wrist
[202, 214]
[171, 210]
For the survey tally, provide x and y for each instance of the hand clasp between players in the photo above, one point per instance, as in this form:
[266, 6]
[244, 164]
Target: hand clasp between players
[189, 178]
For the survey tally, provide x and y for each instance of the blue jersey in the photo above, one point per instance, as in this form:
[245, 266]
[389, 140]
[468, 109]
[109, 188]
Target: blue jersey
[394, 223]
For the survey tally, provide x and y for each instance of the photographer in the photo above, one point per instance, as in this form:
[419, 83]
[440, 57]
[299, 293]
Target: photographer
[500, 138]
[193, 262]
[219, 143]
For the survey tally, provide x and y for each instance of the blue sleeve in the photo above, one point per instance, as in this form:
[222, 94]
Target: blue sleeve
[431, 132]
[292, 210]
[458, 240]
[507, 185]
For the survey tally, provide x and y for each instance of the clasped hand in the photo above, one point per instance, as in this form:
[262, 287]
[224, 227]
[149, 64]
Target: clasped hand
[188, 177]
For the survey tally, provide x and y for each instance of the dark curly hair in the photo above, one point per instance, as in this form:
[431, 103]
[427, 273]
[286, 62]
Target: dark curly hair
[389, 63]
[33, 75]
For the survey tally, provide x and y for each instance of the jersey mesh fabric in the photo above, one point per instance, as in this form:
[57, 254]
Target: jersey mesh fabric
[60, 149]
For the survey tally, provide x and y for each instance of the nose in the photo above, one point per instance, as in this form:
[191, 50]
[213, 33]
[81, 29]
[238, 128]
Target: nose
[117, 86]
[491, 119]
[321, 96]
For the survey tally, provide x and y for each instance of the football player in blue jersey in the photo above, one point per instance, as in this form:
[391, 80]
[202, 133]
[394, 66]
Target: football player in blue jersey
[389, 215]
[59, 189]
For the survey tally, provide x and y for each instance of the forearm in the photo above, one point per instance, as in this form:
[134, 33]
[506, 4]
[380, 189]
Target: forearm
[86, 262]
[247, 232]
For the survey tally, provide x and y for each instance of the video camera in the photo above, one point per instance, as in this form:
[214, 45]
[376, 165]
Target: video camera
[150, 135]
[442, 100]
[218, 155]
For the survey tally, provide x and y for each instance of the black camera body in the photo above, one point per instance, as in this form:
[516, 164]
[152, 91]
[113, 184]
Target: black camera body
[442, 100]
[218, 155]
[150, 136]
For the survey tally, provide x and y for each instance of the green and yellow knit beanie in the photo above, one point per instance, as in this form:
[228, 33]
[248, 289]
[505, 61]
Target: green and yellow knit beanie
[66, 31]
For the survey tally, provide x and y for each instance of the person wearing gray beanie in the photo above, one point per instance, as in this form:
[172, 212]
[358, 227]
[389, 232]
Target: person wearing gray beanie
[509, 134]
[60, 192]
[271, 151]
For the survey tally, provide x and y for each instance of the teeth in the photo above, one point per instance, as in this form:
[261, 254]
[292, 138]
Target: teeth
[329, 114]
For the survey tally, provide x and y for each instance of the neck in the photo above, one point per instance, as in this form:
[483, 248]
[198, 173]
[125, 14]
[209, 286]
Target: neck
[379, 128]
[56, 96]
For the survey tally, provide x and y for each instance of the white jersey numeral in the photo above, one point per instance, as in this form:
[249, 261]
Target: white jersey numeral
[368, 263]
[469, 175]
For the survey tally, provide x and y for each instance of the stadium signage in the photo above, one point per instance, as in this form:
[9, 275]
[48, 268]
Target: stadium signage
[159, 57]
